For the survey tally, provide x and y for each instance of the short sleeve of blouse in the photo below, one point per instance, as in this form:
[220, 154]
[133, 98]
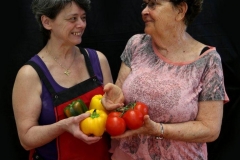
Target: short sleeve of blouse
[131, 45]
[213, 80]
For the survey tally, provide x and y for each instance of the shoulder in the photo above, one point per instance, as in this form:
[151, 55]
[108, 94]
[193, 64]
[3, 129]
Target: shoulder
[27, 71]
[101, 56]
[97, 54]
[138, 40]
[139, 37]
[211, 51]
[27, 75]
[212, 54]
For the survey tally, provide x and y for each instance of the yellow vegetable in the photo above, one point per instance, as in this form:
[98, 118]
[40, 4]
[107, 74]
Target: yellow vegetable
[96, 103]
[95, 123]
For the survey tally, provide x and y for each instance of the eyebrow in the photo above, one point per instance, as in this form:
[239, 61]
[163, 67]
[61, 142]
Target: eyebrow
[76, 14]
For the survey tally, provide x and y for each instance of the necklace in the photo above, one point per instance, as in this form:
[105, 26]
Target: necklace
[66, 70]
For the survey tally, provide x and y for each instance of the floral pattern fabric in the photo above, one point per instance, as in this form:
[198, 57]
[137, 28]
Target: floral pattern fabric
[172, 92]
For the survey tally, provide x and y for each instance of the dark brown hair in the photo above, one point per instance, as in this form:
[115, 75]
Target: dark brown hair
[194, 8]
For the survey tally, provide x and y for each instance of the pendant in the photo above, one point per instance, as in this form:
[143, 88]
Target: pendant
[67, 72]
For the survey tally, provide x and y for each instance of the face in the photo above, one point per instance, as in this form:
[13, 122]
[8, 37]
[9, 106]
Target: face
[159, 16]
[69, 25]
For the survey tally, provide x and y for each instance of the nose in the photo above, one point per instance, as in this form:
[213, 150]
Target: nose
[145, 11]
[81, 23]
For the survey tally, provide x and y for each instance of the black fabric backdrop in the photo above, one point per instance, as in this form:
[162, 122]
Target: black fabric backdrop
[109, 25]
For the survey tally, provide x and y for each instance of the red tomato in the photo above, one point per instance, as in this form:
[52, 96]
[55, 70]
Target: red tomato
[141, 107]
[133, 118]
[115, 124]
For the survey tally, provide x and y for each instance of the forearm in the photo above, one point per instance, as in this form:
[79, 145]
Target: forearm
[37, 136]
[191, 131]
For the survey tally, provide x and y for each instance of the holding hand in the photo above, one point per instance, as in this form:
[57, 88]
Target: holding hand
[74, 128]
[149, 128]
[113, 97]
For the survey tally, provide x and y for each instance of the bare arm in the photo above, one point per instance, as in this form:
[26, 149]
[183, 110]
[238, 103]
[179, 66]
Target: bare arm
[106, 71]
[122, 75]
[206, 128]
[27, 104]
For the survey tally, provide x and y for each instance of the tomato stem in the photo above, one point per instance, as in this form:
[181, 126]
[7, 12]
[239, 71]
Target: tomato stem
[126, 107]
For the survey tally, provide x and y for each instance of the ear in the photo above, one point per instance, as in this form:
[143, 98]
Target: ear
[46, 22]
[182, 9]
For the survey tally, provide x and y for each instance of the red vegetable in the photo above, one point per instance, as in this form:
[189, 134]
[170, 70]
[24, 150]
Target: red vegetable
[141, 107]
[133, 118]
[133, 114]
[115, 124]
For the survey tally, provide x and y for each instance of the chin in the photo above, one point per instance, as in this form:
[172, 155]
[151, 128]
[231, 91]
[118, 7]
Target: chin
[78, 41]
[147, 31]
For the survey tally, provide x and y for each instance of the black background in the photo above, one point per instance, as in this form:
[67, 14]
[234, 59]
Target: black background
[109, 25]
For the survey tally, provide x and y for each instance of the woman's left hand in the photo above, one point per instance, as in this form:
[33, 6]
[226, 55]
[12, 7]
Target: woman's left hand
[149, 128]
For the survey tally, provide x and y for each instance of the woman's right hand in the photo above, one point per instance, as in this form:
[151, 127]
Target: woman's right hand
[73, 127]
[113, 97]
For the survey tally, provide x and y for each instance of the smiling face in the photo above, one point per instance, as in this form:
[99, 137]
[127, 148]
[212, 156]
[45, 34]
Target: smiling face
[69, 25]
[160, 17]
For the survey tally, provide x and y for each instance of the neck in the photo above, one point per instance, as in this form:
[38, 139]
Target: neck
[60, 50]
[173, 45]
[65, 62]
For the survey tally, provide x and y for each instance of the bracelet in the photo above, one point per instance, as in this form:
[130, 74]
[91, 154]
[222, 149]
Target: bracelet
[162, 132]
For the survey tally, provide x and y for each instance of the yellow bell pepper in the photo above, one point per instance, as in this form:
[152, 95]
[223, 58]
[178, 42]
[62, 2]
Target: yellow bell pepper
[96, 103]
[95, 123]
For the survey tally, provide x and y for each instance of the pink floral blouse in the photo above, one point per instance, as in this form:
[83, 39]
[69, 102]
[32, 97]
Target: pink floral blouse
[172, 92]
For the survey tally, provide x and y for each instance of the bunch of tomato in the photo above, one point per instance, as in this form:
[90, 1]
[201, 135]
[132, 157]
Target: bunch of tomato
[127, 117]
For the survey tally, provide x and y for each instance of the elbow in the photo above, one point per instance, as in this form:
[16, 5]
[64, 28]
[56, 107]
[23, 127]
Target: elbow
[213, 135]
[25, 146]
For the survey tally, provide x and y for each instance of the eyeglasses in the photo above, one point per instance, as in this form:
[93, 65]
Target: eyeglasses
[150, 3]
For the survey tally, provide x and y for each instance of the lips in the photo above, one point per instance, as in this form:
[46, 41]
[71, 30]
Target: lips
[146, 20]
